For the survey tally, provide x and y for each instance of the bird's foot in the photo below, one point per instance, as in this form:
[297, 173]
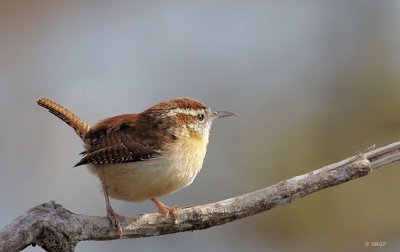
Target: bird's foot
[167, 210]
[116, 219]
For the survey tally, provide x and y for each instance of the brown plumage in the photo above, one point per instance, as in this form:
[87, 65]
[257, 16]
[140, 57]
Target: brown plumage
[124, 138]
[80, 127]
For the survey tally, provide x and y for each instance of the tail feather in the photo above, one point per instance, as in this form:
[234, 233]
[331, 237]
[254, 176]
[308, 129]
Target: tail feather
[80, 127]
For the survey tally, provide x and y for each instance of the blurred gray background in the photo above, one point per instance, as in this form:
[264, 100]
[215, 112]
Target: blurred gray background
[313, 81]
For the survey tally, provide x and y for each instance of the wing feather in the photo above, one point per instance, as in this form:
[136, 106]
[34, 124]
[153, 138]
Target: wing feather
[123, 142]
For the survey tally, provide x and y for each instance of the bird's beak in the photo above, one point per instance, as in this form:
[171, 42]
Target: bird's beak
[220, 114]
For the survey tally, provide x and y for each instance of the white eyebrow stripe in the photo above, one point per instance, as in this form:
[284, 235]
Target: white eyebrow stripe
[192, 112]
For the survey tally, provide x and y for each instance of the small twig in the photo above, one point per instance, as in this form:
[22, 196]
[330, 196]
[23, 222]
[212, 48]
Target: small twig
[54, 228]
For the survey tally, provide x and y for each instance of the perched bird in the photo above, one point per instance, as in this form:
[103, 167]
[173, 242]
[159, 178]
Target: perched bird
[143, 156]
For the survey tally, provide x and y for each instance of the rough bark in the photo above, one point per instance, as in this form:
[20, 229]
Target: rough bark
[54, 228]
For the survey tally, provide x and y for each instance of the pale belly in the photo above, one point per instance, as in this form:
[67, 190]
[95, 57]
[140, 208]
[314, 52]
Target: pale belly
[144, 180]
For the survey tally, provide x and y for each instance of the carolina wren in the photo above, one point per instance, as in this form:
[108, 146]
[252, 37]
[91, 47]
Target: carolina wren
[143, 156]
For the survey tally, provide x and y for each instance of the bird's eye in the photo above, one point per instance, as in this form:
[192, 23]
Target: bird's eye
[200, 117]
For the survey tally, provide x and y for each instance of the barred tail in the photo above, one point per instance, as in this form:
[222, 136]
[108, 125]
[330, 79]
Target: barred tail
[80, 127]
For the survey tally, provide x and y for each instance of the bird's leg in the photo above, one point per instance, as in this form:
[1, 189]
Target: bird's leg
[166, 209]
[114, 217]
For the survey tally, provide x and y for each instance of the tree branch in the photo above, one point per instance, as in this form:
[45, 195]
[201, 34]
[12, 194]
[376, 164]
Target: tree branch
[54, 228]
